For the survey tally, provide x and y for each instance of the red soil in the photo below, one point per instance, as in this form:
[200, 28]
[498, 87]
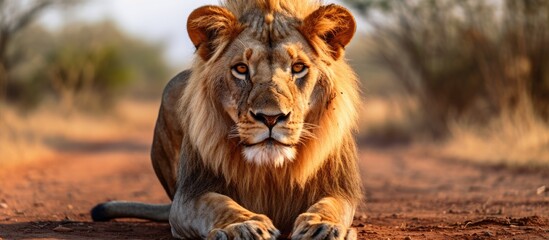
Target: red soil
[409, 195]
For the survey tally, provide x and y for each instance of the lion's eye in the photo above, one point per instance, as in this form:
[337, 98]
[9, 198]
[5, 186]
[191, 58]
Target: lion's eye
[240, 71]
[299, 70]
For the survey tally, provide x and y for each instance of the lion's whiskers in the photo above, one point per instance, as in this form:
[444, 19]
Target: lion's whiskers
[310, 126]
[306, 134]
[233, 133]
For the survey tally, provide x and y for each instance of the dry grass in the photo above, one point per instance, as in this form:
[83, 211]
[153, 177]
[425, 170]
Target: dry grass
[387, 120]
[516, 139]
[513, 139]
[25, 138]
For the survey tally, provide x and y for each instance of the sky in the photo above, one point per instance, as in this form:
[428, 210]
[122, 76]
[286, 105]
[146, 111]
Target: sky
[159, 21]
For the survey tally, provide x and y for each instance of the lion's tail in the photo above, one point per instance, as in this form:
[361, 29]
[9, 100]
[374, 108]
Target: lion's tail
[121, 209]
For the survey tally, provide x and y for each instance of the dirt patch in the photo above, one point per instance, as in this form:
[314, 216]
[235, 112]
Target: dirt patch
[408, 195]
[414, 195]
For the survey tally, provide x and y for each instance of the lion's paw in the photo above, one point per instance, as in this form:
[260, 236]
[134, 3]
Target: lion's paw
[258, 228]
[310, 226]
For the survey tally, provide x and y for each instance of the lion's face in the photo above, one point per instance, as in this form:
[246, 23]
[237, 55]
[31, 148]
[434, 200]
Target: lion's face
[269, 93]
[270, 73]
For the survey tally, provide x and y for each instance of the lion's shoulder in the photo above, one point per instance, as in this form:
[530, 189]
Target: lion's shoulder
[168, 133]
[174, 88]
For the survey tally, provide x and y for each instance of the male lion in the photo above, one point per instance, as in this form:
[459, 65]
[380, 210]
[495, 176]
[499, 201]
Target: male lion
[255, 140]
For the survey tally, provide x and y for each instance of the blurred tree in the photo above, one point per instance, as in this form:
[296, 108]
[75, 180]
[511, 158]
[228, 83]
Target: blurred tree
[527, 37]
[86, 66]
[464, 58]
[16, 15]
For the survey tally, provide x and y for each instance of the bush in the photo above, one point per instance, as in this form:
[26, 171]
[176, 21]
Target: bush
[83, 65]
[464, 59]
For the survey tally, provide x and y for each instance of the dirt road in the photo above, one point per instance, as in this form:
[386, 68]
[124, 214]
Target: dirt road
[409, 195]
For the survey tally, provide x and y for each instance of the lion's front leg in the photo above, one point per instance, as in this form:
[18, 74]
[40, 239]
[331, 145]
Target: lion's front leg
[329, 218]
[216, 216]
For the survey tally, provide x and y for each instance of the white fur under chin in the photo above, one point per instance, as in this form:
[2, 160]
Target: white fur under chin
[269, 154]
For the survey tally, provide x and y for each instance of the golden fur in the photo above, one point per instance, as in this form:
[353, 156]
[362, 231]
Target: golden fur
[210, 151]
[209, 127]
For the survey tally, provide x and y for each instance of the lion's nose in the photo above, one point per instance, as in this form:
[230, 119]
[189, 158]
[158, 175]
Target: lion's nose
[270, 120]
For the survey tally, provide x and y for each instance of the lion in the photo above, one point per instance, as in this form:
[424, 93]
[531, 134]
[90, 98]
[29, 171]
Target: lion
[255, 140]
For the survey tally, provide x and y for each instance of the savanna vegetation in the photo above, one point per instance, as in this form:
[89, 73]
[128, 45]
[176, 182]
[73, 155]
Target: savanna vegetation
[69, 82]
[471, 74]
[84, 65]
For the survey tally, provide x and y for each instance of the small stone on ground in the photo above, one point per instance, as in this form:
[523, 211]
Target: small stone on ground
[62, 229]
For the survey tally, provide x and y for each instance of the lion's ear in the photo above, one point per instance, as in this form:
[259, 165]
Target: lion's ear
[209, 27]
[332, 24]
